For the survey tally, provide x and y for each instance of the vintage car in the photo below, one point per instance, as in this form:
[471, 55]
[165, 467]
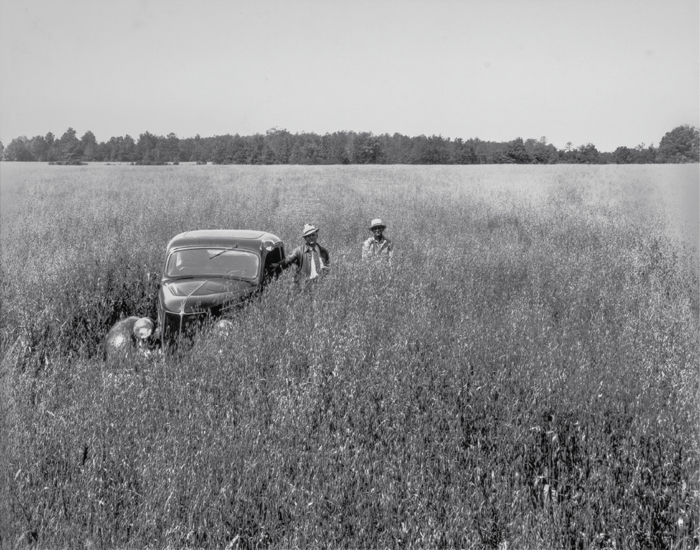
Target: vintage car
[206, 275]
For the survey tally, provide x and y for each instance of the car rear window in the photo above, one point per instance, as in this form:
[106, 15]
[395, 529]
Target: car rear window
[212, 262]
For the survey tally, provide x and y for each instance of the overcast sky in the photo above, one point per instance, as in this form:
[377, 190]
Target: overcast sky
[610, 72]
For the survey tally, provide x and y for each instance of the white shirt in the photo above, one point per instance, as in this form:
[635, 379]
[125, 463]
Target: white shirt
[314, 250]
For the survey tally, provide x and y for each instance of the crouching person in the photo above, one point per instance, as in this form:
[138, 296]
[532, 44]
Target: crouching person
[129, 338]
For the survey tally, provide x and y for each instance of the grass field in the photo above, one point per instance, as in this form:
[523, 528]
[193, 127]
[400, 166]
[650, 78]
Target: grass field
[523, 375]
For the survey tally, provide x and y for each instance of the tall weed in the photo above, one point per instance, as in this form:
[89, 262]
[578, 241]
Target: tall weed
[522, 374]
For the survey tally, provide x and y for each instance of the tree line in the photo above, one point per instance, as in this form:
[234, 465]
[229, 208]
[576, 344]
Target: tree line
[680, 145]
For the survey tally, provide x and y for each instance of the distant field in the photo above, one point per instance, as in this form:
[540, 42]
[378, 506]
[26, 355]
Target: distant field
[523, 374]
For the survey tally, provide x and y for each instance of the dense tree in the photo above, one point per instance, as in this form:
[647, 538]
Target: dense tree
[336, 148]
[307, 149]
[167, 149]
[239, 150]
[2, 151]
[624, 155]
[584, 154]
[540, 151]
[464, 153]
[196, 149]
[18, 150]
[397, 148]
[255, 149]
[431, 150]
[146, 151]
[485, 150]
[513, 153]
[118, 149]
[500, 157]
[220, 153]
[89, 145]
[185, 151]
[39, 148]
[230, 149]
[279, 146]
[53, 153]
[588, 154]
[639, 155]
[70, 148]
[647, 155]
[203, 149]
[366, 149]
[680, 145]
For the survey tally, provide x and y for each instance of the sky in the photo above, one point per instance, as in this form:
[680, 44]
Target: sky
[608, 72]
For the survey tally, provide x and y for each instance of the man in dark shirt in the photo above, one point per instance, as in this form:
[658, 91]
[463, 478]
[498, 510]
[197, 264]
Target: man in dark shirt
[311, 258]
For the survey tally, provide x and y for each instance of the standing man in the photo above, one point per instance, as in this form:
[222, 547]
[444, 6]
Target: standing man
[311, 258]
[377, 246]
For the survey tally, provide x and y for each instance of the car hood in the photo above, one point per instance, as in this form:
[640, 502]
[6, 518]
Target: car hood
[197, 295]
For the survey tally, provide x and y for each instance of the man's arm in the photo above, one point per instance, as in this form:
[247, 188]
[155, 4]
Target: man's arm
[293, 258]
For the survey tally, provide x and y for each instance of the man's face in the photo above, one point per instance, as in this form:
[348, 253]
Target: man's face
[378, 233]
[311, 239]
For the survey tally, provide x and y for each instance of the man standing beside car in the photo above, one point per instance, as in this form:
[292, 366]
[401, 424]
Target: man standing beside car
[311, 258]
[377, 246]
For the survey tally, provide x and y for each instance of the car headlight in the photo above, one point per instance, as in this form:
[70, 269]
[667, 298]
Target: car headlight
[143, 328]
[268, 245]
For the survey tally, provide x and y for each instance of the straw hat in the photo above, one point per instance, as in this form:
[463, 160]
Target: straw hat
[376, 222]
[309, 230]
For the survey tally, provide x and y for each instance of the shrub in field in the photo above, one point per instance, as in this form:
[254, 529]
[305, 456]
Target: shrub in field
[523, 373]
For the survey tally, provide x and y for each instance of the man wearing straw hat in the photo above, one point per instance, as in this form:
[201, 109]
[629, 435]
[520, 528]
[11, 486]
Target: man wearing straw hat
[377, 246]
[311, 258]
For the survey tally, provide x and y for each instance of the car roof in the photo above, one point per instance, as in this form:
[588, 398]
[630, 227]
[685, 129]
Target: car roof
[222, 237]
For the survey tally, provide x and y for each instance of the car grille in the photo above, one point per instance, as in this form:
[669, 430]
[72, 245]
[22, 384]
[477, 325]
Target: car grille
[172, 327]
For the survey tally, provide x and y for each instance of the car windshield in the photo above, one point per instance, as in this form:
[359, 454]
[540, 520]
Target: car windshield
[212, 262]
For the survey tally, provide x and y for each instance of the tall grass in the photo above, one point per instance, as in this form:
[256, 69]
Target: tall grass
[523, 374]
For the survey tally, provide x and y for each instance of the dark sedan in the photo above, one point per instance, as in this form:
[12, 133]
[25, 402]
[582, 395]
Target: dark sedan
[206, 274]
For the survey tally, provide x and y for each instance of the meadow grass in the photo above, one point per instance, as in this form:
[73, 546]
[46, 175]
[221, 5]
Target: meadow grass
[522, 375]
